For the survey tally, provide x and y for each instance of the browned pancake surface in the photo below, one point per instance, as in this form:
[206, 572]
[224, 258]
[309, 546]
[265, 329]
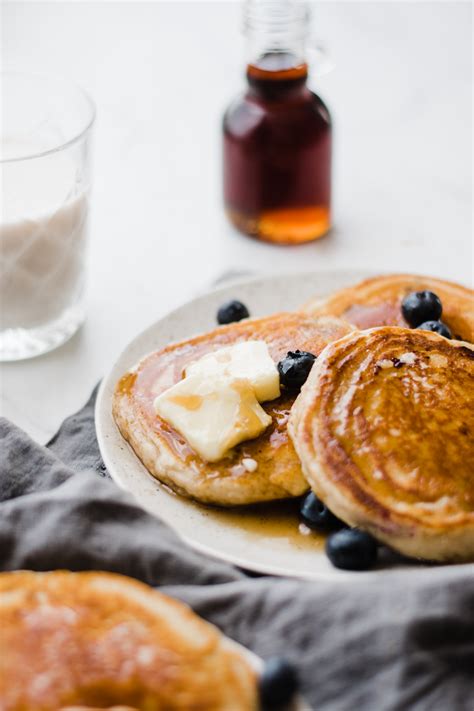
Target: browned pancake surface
[377, 302]
[166, 453]
[97, 640]
[385, 430]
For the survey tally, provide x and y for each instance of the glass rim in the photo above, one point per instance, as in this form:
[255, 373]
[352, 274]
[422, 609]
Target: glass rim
[70, 141]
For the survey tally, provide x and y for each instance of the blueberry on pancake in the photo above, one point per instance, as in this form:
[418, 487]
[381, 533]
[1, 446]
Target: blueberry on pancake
[436, 327]
[421, 306]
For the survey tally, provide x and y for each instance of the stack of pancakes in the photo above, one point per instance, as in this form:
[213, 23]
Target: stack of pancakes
[90, 641]
[382, 432]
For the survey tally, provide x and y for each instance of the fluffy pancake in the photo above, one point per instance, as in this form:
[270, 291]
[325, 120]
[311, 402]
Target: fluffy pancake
[384, 428]
[166, 454]
[98, 640]
[377, 302]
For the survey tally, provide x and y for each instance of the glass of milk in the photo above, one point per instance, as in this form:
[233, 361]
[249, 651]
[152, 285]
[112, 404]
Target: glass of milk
[45, 133]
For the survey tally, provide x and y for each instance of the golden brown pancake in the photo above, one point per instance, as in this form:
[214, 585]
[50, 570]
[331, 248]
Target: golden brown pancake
[98, 640]
[377, 302]
[167, 455]
[384, 428]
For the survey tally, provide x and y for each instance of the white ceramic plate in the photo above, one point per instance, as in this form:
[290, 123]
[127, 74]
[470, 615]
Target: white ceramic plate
[254, 542]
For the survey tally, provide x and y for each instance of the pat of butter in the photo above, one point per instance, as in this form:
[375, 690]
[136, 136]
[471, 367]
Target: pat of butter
[250, 360]
[213, 414]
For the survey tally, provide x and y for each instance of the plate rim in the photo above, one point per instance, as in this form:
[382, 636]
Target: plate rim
[100, 407]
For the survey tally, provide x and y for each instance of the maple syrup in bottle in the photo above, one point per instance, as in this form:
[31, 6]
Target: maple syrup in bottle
[277, 136]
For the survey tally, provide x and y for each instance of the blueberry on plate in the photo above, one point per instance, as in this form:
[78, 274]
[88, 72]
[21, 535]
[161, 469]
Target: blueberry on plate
[278, 684]
[351, 549]
[295, 368]
[421, 306]
[436, 327]
[316, 515]
[232, 311]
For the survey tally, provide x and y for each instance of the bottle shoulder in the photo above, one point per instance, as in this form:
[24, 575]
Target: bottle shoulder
[252, 111]
[243, 112]
[320, 107]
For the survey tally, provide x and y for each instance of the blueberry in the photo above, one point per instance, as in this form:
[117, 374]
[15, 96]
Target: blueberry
[437, 327]
[351, 549]
[278, 684]
[316, 515]
[232, 311]
[420, 306]
[294, 369]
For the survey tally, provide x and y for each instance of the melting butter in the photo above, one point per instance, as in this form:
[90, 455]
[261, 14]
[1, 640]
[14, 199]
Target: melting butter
[213, 414]
[216, 405]
[190, 402]
[249, 360]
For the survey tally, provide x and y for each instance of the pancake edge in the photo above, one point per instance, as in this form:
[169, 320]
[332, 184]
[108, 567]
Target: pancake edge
[396, 529]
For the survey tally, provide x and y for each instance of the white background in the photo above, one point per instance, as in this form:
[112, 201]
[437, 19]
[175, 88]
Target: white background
[161, 74]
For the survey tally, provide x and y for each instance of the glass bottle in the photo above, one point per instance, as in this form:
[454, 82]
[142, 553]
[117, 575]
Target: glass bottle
[277, 136]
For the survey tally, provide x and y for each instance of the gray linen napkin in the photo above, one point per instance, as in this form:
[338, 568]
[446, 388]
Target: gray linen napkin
[406, 644]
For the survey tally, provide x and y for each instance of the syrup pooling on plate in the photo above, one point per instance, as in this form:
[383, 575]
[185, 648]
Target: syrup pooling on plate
[275, 520]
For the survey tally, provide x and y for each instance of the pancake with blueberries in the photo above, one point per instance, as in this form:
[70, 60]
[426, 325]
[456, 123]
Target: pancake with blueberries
[276, 470]
[379, 302]
[100, 640]
[384, 428]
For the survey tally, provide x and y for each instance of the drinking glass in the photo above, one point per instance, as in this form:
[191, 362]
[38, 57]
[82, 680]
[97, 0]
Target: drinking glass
[45, 136]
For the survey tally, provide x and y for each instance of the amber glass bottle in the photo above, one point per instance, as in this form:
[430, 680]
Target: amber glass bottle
[277, 136]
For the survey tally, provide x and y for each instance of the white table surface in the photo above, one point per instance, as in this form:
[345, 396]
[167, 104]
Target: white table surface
[161, 74]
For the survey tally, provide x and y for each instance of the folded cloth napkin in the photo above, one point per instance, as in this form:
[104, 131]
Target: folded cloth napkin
[403, 644]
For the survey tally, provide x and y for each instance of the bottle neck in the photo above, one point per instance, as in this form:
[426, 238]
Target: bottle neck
[276, 32]
[276, 29]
